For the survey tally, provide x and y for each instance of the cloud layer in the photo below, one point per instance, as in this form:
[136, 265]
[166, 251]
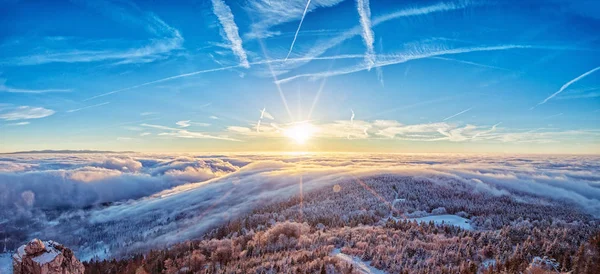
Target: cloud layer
[227, 187]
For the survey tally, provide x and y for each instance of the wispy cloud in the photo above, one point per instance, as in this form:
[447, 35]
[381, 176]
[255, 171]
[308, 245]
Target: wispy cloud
[423, 52]
[196, 135]
[268, 13]
[454, 115]
[145, 134]
[580, 94]
[86, 107]
[425, 132]
[352, 124]
[554, 116]
[565, 86]
[26, 112]
[323, 47]
[159, 127]
[19, 124]
[179, 133]
[213, 117]
[223, 12]
[4, 88]
[265, 114]
[198, 72]
[469, 63]
[364, 12]
[165, 40]
[298, 30]
[379, 70]
[185, 123]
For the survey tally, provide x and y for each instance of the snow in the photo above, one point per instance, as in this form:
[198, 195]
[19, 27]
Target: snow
[359, 265]
[446, 219]
[5, 263]
[47, 256]
[487, 263]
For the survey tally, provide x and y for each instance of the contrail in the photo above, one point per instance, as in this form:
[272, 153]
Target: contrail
[403, 58]
[258, 126]
[264, 62]
[223, 13]
[162, 80]
[452, 116]
[298, 30]
[364, 11]
[357, 30]
[86, 107]
[469, 63]
[565, 86]
[379, 70]
[275, 80]
[262, 113]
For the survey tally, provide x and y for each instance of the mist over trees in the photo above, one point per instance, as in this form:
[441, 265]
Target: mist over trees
[366, 219]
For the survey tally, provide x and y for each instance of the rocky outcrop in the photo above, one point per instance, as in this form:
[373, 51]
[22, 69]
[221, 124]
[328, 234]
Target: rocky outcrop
[45, 257]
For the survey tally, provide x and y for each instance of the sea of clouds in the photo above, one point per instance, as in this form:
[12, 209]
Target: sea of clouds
[164, 199]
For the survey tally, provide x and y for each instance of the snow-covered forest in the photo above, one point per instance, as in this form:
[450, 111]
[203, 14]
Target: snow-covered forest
[306, 235]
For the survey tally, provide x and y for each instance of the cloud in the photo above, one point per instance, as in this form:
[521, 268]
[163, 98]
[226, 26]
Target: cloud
[425, 132]
[553, 116]
[214, 117]
[185, 123]
[268, 14]
[4, 88]
[178, 133]
[239, 129]
[26, 112]
[84, 180]
[196, 135]
[565, 86]
[298, 29]
[145, 134]
[324, 46]
[364, 12]
[86, 107]
[19, 124]
[469, 63]
[223, 12]
[159, 127]
[419, 53]
[580, 94]
[265, 114]
[165, 40]
[454, 115]
[198, 72]
[200, 192]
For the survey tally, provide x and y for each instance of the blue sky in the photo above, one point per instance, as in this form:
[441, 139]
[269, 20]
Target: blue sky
[386, 76]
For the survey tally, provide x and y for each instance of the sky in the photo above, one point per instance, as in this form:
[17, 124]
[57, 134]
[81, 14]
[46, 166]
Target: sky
[297, 75]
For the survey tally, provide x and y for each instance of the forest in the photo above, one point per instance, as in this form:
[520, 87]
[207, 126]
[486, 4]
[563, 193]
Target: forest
[371, 220]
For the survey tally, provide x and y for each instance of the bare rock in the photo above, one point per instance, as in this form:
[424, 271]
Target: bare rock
[48, 257]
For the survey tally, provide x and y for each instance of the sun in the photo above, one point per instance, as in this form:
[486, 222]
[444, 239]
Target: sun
[300, 133]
